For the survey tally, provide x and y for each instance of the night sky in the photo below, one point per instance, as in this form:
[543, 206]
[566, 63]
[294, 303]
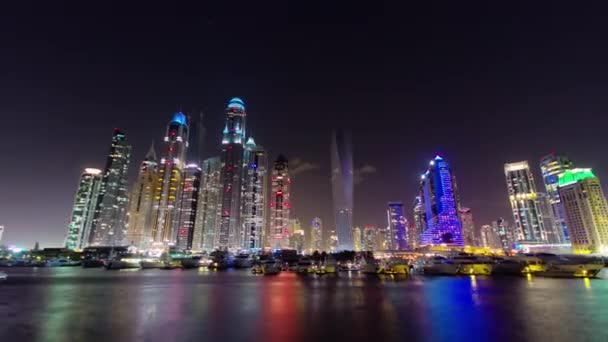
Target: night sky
[479, 84]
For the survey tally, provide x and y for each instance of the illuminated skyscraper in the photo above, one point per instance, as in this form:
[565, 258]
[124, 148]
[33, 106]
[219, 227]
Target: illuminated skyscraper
[279, 204]
[190, 194]
[208, 207]
[504, 235]
[139, 233]
[85, 202]
[397, 225]
[109, 222]
[586, 210]
[552, 166]
[368, 239]
[357, 239]
[342, 178]
[229, 231]
[468, 226]
[316, 230]
[294, 225]
[419, 220]
[254, 196]
[439, 197]
[165, 212]
[488, 237]
[529, 225]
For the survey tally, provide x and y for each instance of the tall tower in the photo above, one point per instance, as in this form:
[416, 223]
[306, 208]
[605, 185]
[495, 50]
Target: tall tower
[468, 226]
[342, 177]
[109, 222]
[254, 196]
[552, 166]
[316, 232]
[369, 239]
[279, 204]
[191, 186]
[502, 232]
[166, 206]
[440, 200]
[85, 202]
[529, 225]
[357, 239]
[139, 233]
[419, 219]
[397, 226]
[208, 206]
[586, 210]
[229, 231]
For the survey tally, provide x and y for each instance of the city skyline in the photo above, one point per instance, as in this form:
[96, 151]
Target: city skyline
[301, 81]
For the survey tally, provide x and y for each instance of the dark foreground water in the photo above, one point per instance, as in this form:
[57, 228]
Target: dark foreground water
[74, 304]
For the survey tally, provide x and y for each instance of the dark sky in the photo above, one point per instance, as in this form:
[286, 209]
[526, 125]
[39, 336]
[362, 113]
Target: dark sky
[481, 84]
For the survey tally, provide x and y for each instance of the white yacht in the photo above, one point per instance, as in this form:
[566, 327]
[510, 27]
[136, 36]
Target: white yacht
[472, 264]
[271, 267]
[438, 265]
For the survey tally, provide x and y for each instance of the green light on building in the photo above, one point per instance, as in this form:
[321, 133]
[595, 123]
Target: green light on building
[575, 175]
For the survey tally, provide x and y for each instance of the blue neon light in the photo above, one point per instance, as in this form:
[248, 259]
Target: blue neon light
[179, 118]
[236, 102]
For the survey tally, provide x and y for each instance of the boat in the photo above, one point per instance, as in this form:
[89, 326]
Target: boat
[124, 263]
[438, 265]
[170, 266]
[504, 266]
[368, 267]
[304, 266]
[349, 267]
[91, 263]
[151, 263]
[257, 269]
[395, 267]
[271, 267]
[243, 260]
[3, 275]
[62, 262]
[561, 266]
[189, 263]
[472, 264]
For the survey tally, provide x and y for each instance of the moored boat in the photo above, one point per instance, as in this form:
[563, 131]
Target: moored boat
[472, 265]
[91, 263]
[439, 265]
[3, 275]
[151, 263]
[271, 267]
[62, 262]
[119, 264]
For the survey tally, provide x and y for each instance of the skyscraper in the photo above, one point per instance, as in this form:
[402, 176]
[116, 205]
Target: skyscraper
[294, 225]
[190, 194]
[419, 219]
[165, 217]
[254, 196]
[279, 204]
[342, 178]
[109, 222]
[585, 209]
[397, 225]
[439, 197]
[468, 226]
[208, 207]
[316, 231]
[529, 225]
[139, 233]
[501, 231]
[229, 230]
[85, 202]
[369, 238]
[357, 239]
[488, 237]
[552, 166]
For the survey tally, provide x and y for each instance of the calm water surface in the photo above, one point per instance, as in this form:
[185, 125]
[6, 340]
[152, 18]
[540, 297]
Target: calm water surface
[75, 304]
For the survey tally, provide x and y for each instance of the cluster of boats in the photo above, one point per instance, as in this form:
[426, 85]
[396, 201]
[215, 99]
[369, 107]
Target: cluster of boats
[540, 264]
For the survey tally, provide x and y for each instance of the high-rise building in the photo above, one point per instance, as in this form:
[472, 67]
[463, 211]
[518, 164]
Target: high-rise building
[439, 197]
[488, 237]
[332, 245]
[586, 210]
[419, 221]
[83, 210]
[501, 230]
[229, 233]
[357, 239]
[397, 225]
[468, 226]
[168, 192]
[190, 194]
[296, 239]
[529, 225]
[369, 238]
[279, 204]
[254, 196]
[109, 222]
[316, 232]
[552, 228]
[139, 233]
[552, 166]
[342, 178]
[208, 206]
